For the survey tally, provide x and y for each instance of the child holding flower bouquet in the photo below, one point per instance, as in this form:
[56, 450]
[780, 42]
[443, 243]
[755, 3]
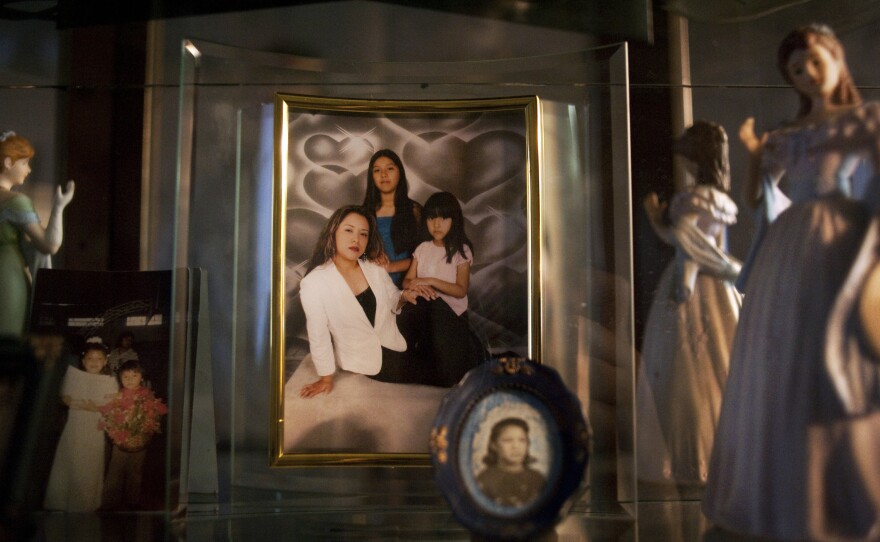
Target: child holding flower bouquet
[130, 419]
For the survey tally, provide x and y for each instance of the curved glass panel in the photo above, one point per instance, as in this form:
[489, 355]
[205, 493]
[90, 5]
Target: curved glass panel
[223, 222]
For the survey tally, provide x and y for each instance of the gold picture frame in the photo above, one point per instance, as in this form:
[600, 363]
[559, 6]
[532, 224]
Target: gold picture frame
[486, 152]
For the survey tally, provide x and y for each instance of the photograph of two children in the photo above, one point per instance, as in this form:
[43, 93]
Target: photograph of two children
[110, 416]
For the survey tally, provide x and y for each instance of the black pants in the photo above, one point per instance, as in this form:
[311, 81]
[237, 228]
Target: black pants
[441, 346]
[122, 484]
[400, 368]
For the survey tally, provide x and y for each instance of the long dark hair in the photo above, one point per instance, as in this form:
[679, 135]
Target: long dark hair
[445, 205]
[404, 223]
[325, 248]
[801, 38]
[705, 143]
[491, 457]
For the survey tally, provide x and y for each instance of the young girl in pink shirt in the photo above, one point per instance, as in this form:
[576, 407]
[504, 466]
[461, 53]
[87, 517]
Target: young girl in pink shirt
[444, 338]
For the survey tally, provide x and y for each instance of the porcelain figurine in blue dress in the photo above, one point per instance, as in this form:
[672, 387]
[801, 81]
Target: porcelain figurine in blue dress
[797, 447]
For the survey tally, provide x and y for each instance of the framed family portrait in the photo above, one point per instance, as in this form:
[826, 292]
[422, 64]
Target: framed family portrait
[510, 449]
[483, 155]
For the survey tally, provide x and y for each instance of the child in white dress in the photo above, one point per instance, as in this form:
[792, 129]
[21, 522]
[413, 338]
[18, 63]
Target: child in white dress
[77, 477]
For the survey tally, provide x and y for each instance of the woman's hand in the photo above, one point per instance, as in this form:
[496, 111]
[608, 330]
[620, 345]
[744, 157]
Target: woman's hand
[322, 385]
[409, 296]
[417, 290]
[422, 283]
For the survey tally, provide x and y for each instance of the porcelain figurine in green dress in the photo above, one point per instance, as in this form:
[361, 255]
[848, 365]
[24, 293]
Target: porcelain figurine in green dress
[20, 224]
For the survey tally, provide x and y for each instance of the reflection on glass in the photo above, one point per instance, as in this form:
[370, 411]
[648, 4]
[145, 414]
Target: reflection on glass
[692, 319]
[218, 207]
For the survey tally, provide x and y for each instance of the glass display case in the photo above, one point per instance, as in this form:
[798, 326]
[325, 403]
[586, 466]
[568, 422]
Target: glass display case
[224, 223]
[609, 114]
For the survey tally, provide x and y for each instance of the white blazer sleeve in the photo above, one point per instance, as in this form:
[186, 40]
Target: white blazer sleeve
[390, 291]
[317, 326]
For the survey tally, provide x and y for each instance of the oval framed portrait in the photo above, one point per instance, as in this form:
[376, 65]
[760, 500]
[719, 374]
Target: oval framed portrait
[510, 448]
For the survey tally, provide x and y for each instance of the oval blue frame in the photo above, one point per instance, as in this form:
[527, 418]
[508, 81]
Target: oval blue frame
[519, 385]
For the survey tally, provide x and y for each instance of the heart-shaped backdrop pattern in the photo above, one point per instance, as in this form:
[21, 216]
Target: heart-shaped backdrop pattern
[303, 229]
[479, 157]
[500, 295]
[495, 237]
[333, 189]
[466, 168]
[426, 124]
[348, 153]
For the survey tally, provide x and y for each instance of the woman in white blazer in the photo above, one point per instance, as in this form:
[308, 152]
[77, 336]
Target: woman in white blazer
[351, 305]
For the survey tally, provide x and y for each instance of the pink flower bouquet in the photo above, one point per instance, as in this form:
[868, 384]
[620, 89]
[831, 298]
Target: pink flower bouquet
[132, 417]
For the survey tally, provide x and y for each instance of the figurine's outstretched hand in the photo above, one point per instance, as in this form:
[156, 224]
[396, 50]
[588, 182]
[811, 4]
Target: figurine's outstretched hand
[63, 197]
[54, 230]
[749, 138]
[755, 147]
[654, 208]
